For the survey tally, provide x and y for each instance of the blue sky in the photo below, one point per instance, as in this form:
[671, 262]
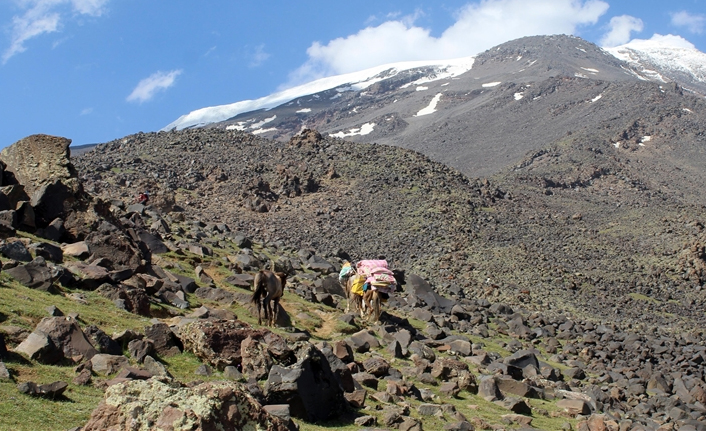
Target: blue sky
[98, 70]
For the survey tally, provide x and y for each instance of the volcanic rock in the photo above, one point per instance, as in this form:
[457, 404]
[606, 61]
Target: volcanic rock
[154, 403]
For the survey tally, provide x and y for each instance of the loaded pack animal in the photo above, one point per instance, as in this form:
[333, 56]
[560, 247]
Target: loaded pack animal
[367, 285]
[354, 300]
[268, 289]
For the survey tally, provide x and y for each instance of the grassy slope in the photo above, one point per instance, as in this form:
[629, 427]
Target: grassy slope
[23, 307]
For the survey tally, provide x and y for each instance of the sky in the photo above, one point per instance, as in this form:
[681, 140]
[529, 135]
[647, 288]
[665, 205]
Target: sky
[97, 70]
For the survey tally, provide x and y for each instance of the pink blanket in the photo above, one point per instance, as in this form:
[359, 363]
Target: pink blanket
[377, 274]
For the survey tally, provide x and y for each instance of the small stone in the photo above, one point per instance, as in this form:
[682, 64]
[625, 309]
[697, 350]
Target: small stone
[203, 370]
[232, 373]
[366, 421]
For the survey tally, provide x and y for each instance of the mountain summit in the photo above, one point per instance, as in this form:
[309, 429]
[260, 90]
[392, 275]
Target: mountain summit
[530, 92]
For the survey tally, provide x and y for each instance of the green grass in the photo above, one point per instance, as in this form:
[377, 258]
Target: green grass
[641, 297]
[20, 412]
[25, 307]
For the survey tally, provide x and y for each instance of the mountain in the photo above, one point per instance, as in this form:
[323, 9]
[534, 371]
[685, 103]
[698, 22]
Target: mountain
[552, 194]
[462, 113]
[550, 165]
[82, 262]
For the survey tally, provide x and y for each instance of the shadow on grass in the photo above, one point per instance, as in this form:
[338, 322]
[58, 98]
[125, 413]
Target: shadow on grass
[15, 358]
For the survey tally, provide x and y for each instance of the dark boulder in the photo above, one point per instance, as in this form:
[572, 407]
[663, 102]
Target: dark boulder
[116, 248]
[419, 287]
[165, 341]
[522, 358]
[16, 250]
[139, 349]
[134, 300]
[49, 390]
[309, 387]
[48, 251]
[35, 274]
[102, 341]
[56, 338]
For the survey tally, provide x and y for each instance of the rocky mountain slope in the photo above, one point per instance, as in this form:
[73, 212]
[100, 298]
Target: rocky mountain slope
[185, 353]
[512, 99]
[602, 230]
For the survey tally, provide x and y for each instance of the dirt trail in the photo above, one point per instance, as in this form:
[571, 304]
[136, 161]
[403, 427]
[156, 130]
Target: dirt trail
[329, 324]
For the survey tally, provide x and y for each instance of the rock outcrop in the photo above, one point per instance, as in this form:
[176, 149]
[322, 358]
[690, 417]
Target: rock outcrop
[156, 404]
[38, 161]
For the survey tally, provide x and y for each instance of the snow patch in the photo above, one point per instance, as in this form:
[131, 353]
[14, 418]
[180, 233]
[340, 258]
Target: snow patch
[356, 81]
[422, 88]
[687, 110]
[597, 98]
[304, 111]
[263, 122]
[589, 70]
[365, 129]
[519, 96]
[261, 131]
[616, 145]
[431, 108]
[491, 84]
[580, 75]
[671, 53]
[645, 139]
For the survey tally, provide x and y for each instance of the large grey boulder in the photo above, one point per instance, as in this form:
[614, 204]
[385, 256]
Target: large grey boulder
[38, 160]
[57, 338]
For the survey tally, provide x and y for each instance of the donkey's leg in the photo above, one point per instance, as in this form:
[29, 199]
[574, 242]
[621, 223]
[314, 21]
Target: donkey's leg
[347, 292]
[275, 312]
[376, 306]
[267, 307]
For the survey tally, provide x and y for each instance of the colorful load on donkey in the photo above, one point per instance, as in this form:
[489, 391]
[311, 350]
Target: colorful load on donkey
[377, 275]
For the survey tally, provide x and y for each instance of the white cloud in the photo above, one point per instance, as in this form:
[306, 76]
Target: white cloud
[46, 16]
[621, 28]
[89, 7]
[258, 56]
[693, 23]
[86, 111]
[658, 40]
[478, 26]
[148, 87]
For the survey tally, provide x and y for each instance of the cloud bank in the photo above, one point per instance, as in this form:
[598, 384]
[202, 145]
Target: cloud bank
[478, 26]
[693, 23]
[621, 28]
[46, 16]
[148, 87]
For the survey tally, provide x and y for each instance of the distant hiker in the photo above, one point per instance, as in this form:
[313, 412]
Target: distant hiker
[143, 198]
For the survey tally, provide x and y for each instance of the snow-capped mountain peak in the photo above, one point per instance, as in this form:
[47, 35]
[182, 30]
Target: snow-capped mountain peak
[356, 81]
[665, 58]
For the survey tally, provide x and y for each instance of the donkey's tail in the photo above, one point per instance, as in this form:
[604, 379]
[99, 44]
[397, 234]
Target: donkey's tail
[259, 287]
